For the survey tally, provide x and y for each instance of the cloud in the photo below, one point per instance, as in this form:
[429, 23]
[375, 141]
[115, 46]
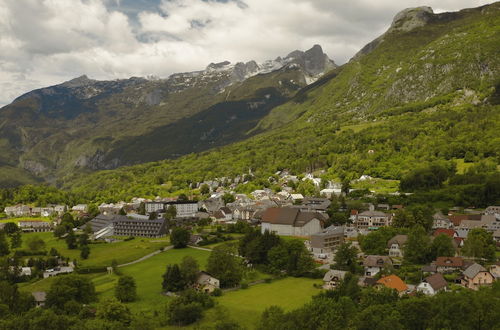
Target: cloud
[45, 42]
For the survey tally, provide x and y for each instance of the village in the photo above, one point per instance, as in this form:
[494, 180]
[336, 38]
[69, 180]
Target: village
[287, 214]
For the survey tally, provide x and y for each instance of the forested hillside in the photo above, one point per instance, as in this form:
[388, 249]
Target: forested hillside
[426, 91]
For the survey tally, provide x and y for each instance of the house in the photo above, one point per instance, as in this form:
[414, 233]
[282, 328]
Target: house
[456, 219]
[157, 207]
[82, 208]
[441, 221]
[40, 298]
[395, 245]
[432, 284]
[18, 211]
[243, 213]
[372, 220]
[296, 197]
[495, 270]
[58, 271]
[332, 278]
[25, 271]
[288, 221]
[227, 213]
[327, 240]
[312, 204]
[448, 264]
[35, 226]
[121, 225]
[385, 207]
[195, 239]
[393, 282]
[374, 264]
[185, 209]
[475, 276]
[492, 210]
[496, 236]
[445, 231]
[211, 205]
[206, 282]
[329, 192]
[432, 269]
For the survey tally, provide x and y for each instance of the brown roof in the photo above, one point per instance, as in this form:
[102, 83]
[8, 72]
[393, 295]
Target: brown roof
[449, 262]
[436, 281]
[457, 219]
[400, 239]
[448, 232]
[289, 216]
[377, 261]
[393, 282]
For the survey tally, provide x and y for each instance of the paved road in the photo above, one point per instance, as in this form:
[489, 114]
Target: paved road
[146, 256]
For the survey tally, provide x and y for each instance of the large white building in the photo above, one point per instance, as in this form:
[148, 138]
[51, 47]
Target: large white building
[185, 209]
[287, 221]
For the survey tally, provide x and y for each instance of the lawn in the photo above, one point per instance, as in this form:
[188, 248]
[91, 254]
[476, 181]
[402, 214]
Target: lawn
[104, 253]
[245, 306]
[16, 220]
[148, 277]
[377, 185]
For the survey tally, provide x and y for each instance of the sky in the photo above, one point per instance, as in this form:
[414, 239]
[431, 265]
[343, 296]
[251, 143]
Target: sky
[46, 42]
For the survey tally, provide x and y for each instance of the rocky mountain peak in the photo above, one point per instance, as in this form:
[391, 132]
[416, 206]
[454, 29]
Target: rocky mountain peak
[313, 60]
[78, 82]
[411, 18]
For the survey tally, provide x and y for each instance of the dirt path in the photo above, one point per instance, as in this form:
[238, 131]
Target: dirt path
[146, 256]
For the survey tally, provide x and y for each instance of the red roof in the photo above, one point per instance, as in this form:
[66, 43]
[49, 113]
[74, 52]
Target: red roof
[354, 212]
[393, 282]
[448, 232]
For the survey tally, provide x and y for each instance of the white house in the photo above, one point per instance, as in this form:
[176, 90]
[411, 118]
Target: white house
[395, 245]
[432, 284]
[289, 221]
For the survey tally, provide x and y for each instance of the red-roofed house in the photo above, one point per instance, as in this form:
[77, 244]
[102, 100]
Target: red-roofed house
[393, 282]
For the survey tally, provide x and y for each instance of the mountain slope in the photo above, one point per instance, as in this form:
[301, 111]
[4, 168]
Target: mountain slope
[425, 91]
[84, 124]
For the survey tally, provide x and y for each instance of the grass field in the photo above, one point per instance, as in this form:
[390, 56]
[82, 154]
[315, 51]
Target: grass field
[245, 306]
[16, 220]
[148, 277]
[103, 254]
[377, 185]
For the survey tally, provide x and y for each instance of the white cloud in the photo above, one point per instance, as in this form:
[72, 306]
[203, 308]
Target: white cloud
[45, 42]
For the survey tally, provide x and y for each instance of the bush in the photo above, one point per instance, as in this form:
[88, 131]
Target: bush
[244, 285]
[217, 292]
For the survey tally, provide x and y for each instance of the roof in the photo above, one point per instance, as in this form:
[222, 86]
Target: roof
[399, 239]
[377, 261]
[40, 296]
[436, 281]
[449, 262]
[333, 273]
[226, 210]
[393, 282]
[331, 230]
[458, 218]
[373, 214]
[429, 268]
[443, 231]
[203, 277]
[473, 270]
[289, 216]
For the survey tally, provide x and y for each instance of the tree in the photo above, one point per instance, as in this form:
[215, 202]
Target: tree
[10, 228]
[442, 246]
[180, 312]
[93, 210]
[228, 198]
[189, 269]
[376, 241]
[182, 197]
[125, 290]
[112, 310]
[417, 247]
[346, 258]
[4, 244]
[142, 208]
[171, 212]
[122, 211]
[414, 216]
[83, 239]
[71, 240]
[225, 265]
[153, 216]
[204, 189]
[70, 287]
[172, 279]
[479, 244]
[35, 243]
[16, 240]
[179, 237]
[84, 251]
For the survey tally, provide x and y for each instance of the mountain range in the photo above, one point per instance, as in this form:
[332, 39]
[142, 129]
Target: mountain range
[86, 124]
[426, 90]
